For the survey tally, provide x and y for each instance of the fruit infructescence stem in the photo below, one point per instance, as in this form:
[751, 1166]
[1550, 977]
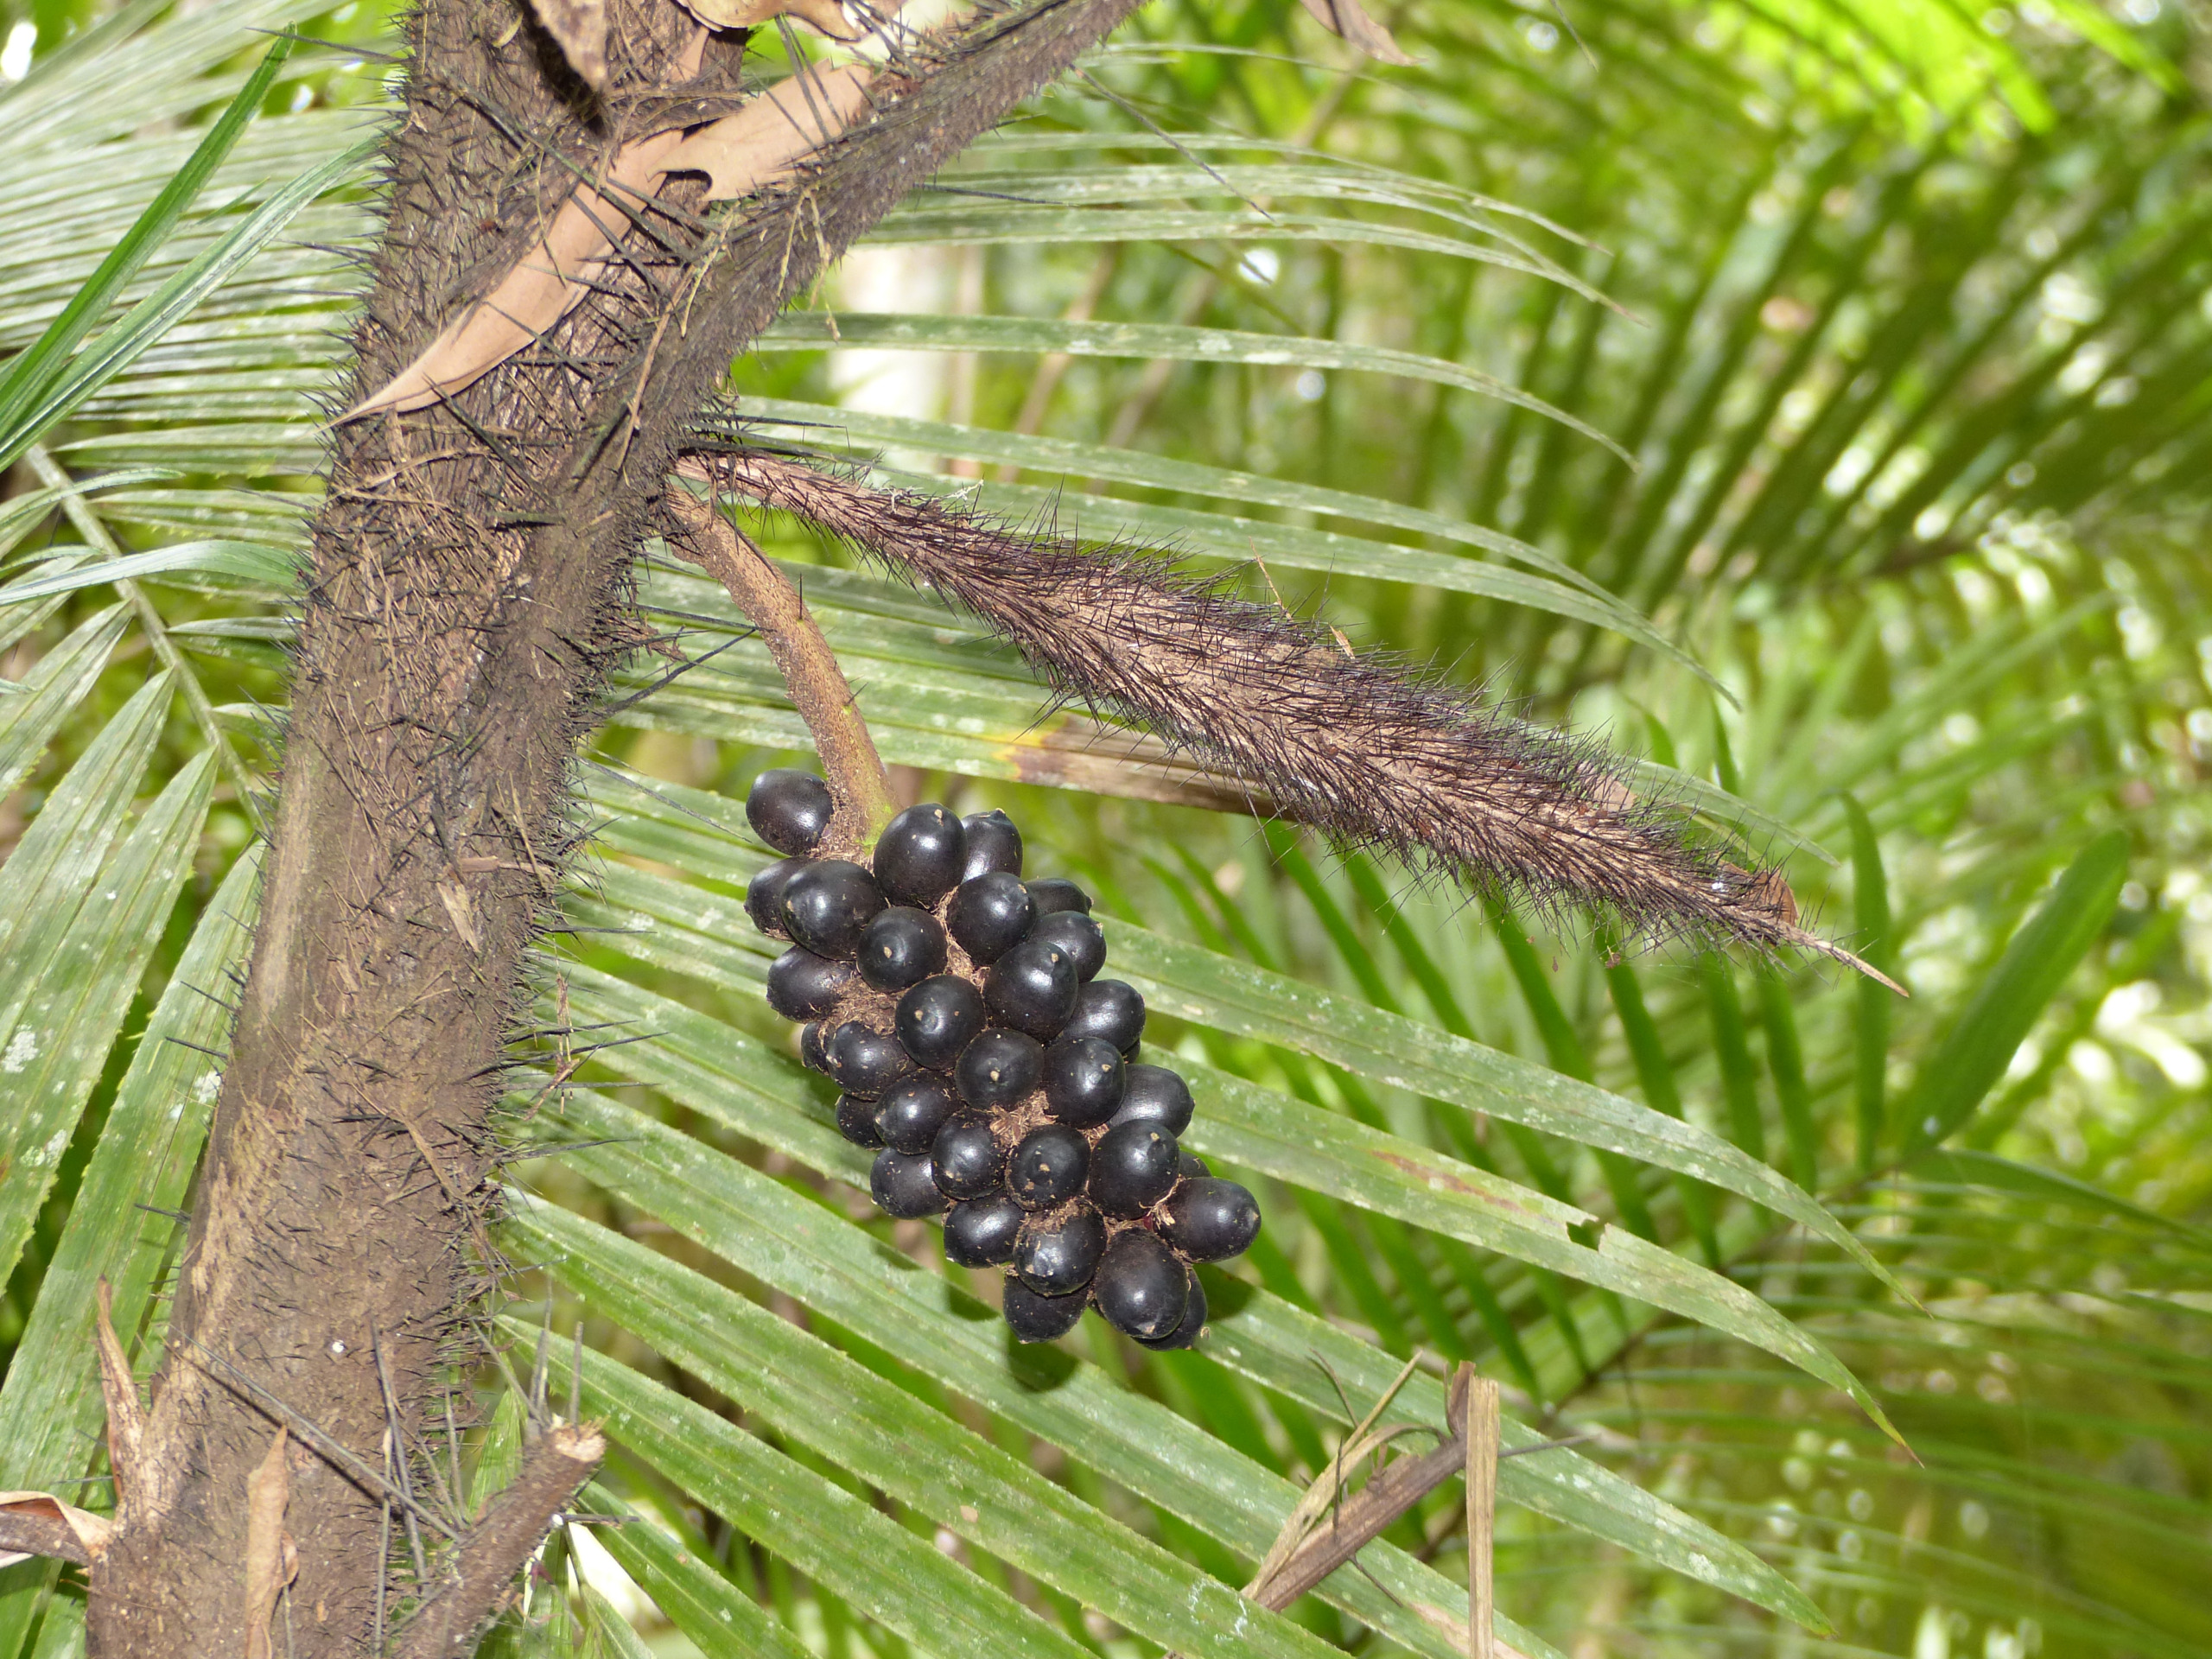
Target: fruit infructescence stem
[1349, 743]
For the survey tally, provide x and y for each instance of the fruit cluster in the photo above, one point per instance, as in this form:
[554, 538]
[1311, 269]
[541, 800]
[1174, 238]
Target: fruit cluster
[959, 1009]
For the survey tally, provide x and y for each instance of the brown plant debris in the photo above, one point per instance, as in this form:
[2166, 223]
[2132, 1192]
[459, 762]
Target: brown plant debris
[1353, 744]
[828, 17]
[1346, 19]
[579, 28]
[764, 142]
[272, 1559]
[38, 1523]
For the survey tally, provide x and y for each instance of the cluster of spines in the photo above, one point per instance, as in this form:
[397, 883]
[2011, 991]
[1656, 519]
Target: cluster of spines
[959, 1009]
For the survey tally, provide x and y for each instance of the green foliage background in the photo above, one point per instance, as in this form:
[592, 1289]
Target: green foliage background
[1904, 315]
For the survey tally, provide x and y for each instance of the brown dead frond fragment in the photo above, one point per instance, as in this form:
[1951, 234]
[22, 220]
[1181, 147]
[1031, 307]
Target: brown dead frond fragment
[271, 1560]
[764, 141]
[38, 1523]
[1346, 19]
[126, 1422]
[579, 28]
[1353, 744]
[828, 17]
[1478, 1431]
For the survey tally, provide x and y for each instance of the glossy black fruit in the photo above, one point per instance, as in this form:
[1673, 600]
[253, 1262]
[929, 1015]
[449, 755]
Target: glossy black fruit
[998, 1069]
[1055, 1258]
[902, 1186]
[988, 915]
[1083, 1081]
[864, 1062]
[1141, 1288]
[1077, 935]
[1132, 1168]
[1190, 1166]
[1186, 1334]
[1055, 893]
[1108, 1009]
[969, 1162]
[802, 986]
[1153, 1094]
[1033, 1318]
[788, 808]
[1033, 988]
[813, 1043]
[981, 1232]
[921, 855]
[1048, 1167]
[764, 894]
[938, 1019]
[829, 904]
[1208, 1219]
[856, 1121]
[992, 845]
[900, 947]
[911, 1112]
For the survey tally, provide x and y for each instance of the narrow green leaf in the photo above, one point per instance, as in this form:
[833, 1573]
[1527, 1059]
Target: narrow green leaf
[1870, 900]
[254, 561]
[1785, 1061]
[2007, 1004]
[1731, 1049]
[1965, 1167]
[54, 685]
[721, 1621]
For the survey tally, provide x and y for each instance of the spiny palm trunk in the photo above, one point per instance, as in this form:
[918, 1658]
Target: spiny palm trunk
[468, 597]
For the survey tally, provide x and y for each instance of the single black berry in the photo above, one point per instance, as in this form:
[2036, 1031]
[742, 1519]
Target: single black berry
[1076, 934]
[998, 1069]
[813, 1045]
[1108, 1009]
[1057, 892]
[988, 915]
[1058, 1256]
[789, 809]
[920, 855]
[992, 845]
[1048, 1167]
[902, 1186]
[863, 1061]
[1186, 1334]
[1033, 988]
[764, 894]
[1153, 1094]
[980, 1233]
[938, 1019]
[969, 1160]
[1142, 1287]
[829, 904]
[802, 986]
[1208, 1219]
[900, 947]
[1083, 1080]
[856, 1121]
[911, 1114]
[1190, 1166]
[1033, 1318]
[1132, 1168]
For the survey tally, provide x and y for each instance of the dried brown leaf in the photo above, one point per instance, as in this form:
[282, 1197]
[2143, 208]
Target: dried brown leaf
[1346, 19]
[271, 1560]
[50, 1526]
[828, 17]
[579, 28]
[766, 139]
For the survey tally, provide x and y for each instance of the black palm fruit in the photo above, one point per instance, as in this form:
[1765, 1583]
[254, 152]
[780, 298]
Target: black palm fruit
[863, 1061]
[1083, 1081]
[992, 845]
[1033, 1318]
[911, 1112]
[980, 1232]
[1153, 1094]
[998, 1069]
[988, 915]
[813, 1044]
[829, 904]
[1190, 1166]
[902, 1186]
[1058, 1255]
[764, 894]
[1033, 988]
[1056, 893]
[1142, 1287]
[1132, 1168]
[789, 809]
[1186, 1334]
[921, 855]
[1208, 1219]
[938, 1019]
[856, 1121]
[969, 1161]
[1048, 1167]
[1108, 1008]
[899, 947]
[1076, 934]
[802, 986]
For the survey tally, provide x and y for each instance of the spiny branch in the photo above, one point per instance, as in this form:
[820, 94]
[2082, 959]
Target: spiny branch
[1349, 742]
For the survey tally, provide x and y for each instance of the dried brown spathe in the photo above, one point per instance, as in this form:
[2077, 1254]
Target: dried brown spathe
[579, 28]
